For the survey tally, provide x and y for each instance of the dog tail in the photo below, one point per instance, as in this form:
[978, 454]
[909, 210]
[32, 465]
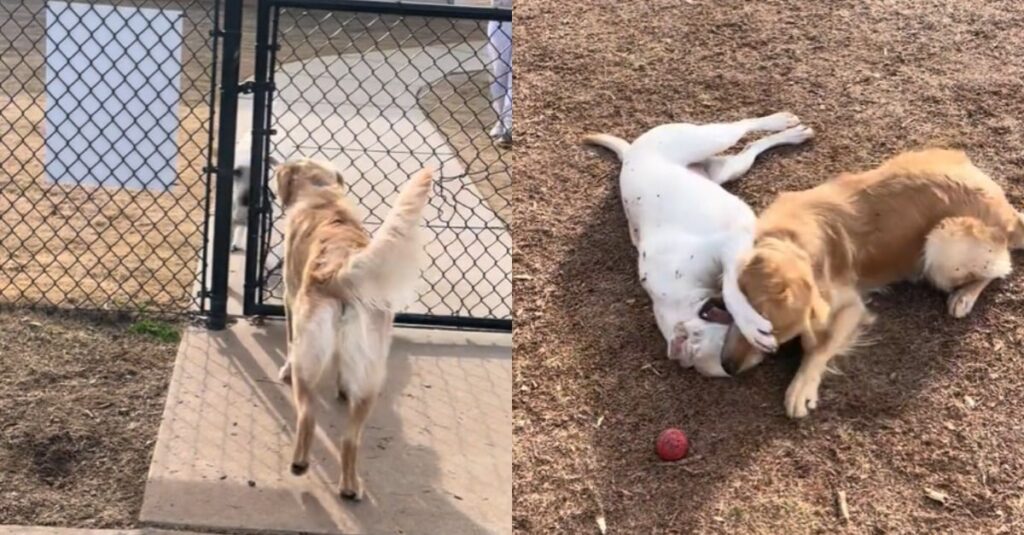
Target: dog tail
[615, 144]
[384, 274]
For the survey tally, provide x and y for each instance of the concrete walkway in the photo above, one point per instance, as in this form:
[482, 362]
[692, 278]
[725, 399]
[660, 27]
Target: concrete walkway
[436, 455]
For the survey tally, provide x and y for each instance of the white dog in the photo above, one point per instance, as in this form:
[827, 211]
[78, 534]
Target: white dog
[240, 201]
[690, 232]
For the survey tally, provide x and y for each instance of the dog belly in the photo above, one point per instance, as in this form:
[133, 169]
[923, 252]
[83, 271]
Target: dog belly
[685, 202]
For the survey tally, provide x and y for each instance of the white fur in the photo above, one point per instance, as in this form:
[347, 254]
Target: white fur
[241, 201]
[350, 344]
[690, 232]
[385, 274]
[365, 340]
[316, 348]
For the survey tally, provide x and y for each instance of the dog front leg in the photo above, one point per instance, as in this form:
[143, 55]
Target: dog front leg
[802, 394]
[285, 373]
[722, 169]
[754, 327]
[237, 236]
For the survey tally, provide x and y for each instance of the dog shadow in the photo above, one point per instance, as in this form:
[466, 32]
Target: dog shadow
[733, 425]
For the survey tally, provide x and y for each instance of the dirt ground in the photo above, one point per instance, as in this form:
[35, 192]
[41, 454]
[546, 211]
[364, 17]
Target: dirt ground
[80, 404]
[933, 405]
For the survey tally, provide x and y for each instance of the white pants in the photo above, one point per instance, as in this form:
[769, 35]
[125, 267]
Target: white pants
[500, 36]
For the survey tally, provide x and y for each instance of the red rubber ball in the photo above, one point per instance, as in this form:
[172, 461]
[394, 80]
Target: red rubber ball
[672, 445]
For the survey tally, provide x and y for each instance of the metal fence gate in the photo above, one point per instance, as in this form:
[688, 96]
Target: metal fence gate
[381, 89]
[110, 112]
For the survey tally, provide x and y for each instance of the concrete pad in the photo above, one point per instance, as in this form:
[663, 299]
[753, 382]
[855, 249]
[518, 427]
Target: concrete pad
[374, 78]
[435, 458]
[335, 127]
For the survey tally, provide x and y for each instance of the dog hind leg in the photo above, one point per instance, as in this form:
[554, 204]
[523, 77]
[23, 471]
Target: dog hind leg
[309, 355]
[962, 257]
[722, 169]
[351, 487]
[1017, 236]
[285, 373]
[305, 426]
[685, 143]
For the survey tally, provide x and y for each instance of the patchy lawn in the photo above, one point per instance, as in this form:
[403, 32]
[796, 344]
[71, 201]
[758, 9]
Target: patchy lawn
[80, 405]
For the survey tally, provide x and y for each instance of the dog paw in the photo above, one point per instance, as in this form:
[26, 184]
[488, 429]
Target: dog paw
[779, 121]
[960, 303]
[758, 331]
[353, 492]
[299, 468]
[235, 248]
[802, 395]
[796, 135]
[285, 373]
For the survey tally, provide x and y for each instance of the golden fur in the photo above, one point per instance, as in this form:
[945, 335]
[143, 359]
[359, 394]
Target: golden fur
[929, 214]
[342, 287]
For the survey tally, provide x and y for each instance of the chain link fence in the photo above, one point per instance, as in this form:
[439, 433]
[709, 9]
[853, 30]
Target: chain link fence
[106, 114]
[381, 94]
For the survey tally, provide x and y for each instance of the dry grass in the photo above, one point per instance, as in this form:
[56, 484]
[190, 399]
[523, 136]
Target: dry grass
[80, 404]
[872, 78]
[98, 247]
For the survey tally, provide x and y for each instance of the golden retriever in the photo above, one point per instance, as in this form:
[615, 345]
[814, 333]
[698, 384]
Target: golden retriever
[929, 214]
[342, 288]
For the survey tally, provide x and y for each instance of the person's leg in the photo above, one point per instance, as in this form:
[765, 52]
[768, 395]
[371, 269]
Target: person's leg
[500, 46]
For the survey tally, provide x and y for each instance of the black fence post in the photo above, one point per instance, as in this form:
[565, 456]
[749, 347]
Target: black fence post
[225, 164]
[258, 204]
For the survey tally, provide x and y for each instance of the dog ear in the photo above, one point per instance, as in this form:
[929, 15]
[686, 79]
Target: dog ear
[817, 321]
[819, 310]
[285, 183]
[754, 261]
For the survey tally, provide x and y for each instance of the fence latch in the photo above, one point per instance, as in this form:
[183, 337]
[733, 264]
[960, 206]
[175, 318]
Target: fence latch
[247, 88]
